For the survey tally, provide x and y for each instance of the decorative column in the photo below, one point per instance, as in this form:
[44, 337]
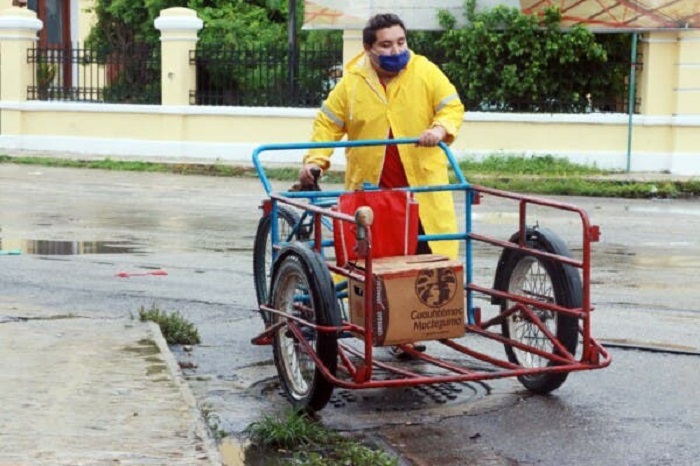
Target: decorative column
[18, 33]
[352, 44]
[658, 77]
[178, 35]
[686, 129]
[669, 88]
[687, 66]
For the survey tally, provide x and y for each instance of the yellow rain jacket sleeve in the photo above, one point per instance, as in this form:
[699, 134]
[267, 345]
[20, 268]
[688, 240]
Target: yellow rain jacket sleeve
[418, 98]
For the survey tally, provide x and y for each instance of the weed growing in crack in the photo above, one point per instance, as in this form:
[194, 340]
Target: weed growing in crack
[300, 440]
[176, 329]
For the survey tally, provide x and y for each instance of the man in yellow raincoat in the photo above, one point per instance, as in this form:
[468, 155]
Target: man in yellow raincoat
[388, 92]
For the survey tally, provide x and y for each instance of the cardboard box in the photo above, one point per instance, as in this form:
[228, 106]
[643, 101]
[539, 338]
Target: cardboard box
[417, 298]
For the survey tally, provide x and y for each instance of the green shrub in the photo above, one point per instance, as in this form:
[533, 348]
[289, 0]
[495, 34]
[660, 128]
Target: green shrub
[176, 329]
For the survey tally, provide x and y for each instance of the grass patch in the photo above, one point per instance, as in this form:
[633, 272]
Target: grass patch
[176, 329]
[544, 165]
[299, 440]
[216, 169]
[546, 174]
[593, 187]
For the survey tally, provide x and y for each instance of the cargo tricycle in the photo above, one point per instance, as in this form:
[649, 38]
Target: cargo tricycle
[337, 278]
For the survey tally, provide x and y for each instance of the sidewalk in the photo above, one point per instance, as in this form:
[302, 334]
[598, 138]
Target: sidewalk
[338, 165]
[80, 391]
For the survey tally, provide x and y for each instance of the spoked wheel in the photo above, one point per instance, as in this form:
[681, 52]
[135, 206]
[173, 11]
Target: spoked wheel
[546, 281]
[302, 287]
[287, 221]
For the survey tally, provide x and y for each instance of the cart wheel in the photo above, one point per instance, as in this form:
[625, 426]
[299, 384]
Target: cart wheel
[262, 250]
[548, 281]
[302, 286]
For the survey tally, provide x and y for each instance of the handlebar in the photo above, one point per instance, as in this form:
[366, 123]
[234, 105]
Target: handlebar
[344, 144]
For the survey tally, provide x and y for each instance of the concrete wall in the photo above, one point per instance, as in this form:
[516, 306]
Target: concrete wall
[665, 137]
[231, 133]
[84, 20]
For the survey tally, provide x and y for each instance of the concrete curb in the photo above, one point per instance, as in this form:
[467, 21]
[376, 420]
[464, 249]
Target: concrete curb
[201, 429]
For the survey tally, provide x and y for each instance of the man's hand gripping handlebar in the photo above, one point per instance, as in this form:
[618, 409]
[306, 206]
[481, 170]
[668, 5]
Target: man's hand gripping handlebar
[308, 178]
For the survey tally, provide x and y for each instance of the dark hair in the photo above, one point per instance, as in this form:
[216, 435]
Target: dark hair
[377, 22]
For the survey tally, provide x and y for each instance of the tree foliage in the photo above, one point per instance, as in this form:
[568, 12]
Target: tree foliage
[240, 22]
[505, 60]
[242, 53]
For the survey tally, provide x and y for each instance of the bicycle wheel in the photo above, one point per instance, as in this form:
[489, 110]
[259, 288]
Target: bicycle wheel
[287, 221]
[302, 287]
[547, 281]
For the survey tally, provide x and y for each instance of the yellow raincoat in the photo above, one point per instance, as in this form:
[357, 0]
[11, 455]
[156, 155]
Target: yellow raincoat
[418, 98]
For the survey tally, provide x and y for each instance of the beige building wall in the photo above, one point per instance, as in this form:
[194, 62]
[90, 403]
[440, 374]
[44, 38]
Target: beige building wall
[352, 45]
[656, 89]
[86, 18]
[230, 134]
[665, 137]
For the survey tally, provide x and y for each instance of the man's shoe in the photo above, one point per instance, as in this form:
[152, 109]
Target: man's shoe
[400, 354]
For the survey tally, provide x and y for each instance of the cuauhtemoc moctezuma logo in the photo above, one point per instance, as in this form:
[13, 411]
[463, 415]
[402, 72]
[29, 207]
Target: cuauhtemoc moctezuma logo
[436, 287]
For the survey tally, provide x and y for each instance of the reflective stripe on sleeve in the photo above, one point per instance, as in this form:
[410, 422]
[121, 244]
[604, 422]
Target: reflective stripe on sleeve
[332, 116]
[443, 103]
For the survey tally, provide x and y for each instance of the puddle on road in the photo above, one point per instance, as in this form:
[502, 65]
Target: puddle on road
[68, 248]
[642, 260]
[682, 262]
[234, 453]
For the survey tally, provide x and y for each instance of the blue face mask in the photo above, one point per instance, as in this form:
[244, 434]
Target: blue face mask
[394, 63]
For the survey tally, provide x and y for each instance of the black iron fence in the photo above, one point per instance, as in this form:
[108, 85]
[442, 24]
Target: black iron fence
[265, 76]
[126, 75]
[271, 76]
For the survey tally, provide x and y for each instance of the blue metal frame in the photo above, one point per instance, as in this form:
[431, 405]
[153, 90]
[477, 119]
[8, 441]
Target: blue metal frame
[328, 197]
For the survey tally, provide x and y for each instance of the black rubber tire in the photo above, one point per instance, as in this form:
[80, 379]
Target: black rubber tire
[300, 273]
[560, 283]
[262, 251]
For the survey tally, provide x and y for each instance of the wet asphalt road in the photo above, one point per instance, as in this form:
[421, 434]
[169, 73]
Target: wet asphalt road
[79, 229]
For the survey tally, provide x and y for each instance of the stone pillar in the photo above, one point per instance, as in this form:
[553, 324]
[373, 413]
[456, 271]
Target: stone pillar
[670, 78]
[688, 71]
[178, 35]
[686, 130]
[352, 44]
[659, 73]
[669, 87]
[18, 33]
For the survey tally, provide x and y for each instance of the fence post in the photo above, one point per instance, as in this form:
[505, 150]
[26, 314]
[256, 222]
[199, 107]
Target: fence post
[352, 44]
[657, 77]
[686, 137]
[18, 33]
[688, 66]
[178, 35]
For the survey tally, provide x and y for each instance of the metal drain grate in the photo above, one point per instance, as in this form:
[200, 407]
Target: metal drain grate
[402, 398]
[377, 400]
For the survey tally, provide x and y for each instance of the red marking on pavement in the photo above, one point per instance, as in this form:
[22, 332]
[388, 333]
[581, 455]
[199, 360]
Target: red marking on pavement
[140, 274]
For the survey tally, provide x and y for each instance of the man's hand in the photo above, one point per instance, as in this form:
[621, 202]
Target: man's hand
[309, 174]
[431, 137]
